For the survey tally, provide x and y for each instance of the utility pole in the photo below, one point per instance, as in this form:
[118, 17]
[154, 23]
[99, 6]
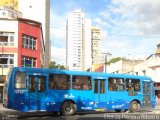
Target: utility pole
[105, 62]
[132, 62]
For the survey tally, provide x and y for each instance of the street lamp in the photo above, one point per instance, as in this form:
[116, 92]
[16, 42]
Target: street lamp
[105, 63]
[132, 62]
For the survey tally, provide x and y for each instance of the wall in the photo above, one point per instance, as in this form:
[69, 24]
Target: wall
[9, 26]
[152, 68]
[31, 31]
[38, 10]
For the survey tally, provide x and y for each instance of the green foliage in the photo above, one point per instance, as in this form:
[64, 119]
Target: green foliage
[113, 60]
[53, 64]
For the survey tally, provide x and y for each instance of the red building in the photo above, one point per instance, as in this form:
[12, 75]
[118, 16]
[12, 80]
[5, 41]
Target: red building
[21, 44]
[30, 43]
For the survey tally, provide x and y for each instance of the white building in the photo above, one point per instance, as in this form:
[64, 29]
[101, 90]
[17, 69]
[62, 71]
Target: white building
[150, 67]
[123, 66]
[38, 10]
[78, 41]
[6, 12]
[96, 51]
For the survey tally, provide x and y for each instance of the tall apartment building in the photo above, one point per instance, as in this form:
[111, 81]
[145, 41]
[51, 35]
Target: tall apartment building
[95, 41]
[36, 10]
[78, 41]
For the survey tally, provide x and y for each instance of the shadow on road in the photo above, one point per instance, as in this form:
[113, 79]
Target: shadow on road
[56, 116]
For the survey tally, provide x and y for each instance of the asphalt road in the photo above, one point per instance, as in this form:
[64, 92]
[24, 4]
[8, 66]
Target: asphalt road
[82, 116]
[7, 114]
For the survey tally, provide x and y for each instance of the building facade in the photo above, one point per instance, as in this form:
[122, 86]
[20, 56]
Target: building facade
[21, 44]
[13, 4]
[8, 13]
[39, 10]
[78, 41]
[96, 51]
[150, 67]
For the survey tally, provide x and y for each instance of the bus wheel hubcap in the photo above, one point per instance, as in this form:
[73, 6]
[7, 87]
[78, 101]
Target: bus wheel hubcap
[135, 106]
[67, 108]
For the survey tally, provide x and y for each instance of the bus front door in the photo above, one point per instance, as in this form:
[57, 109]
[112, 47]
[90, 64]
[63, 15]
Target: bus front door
[37, 93]
[99, 94]
[146, 94]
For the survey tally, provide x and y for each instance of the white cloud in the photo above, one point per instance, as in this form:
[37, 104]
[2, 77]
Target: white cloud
[58, 33]
[133, 18]
[58, 37]
[58, 27]
[144, 14]
[121, 17]
[100, 22]
[58, 55]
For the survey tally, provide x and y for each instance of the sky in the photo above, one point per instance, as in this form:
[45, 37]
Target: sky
[128, 27]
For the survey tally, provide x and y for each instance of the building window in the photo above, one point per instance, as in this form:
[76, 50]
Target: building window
[144, 72]
[6, 60]
[7, 38]
[4, 13]
[29, 42]
[28, 62]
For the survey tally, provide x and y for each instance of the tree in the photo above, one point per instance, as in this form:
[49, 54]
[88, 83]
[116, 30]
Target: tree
[113, 60]
[53, 64]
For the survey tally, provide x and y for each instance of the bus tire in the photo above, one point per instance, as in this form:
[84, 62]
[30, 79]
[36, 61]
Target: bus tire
[118, 110]
[68, 108]
[134, 107]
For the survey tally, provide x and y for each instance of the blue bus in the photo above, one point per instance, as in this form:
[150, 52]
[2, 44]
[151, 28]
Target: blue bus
[67, 92]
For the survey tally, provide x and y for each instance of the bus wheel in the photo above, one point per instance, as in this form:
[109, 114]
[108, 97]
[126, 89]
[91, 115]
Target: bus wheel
[68, 108]
[118, 110]
[135, 106]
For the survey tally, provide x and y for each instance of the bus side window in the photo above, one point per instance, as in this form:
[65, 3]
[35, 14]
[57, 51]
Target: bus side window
[59, 82]
[81, 83]
[41, 84]
[32, 86]
[111, 84]
[132, 85]
[116, 84]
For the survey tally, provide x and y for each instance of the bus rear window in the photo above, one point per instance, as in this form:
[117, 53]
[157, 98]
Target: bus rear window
[20, 80]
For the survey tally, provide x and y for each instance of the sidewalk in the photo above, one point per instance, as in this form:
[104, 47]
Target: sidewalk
[157, 109]
[3, 109]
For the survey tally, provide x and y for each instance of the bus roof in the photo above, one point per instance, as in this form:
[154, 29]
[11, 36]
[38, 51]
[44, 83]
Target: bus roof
[71, 72]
